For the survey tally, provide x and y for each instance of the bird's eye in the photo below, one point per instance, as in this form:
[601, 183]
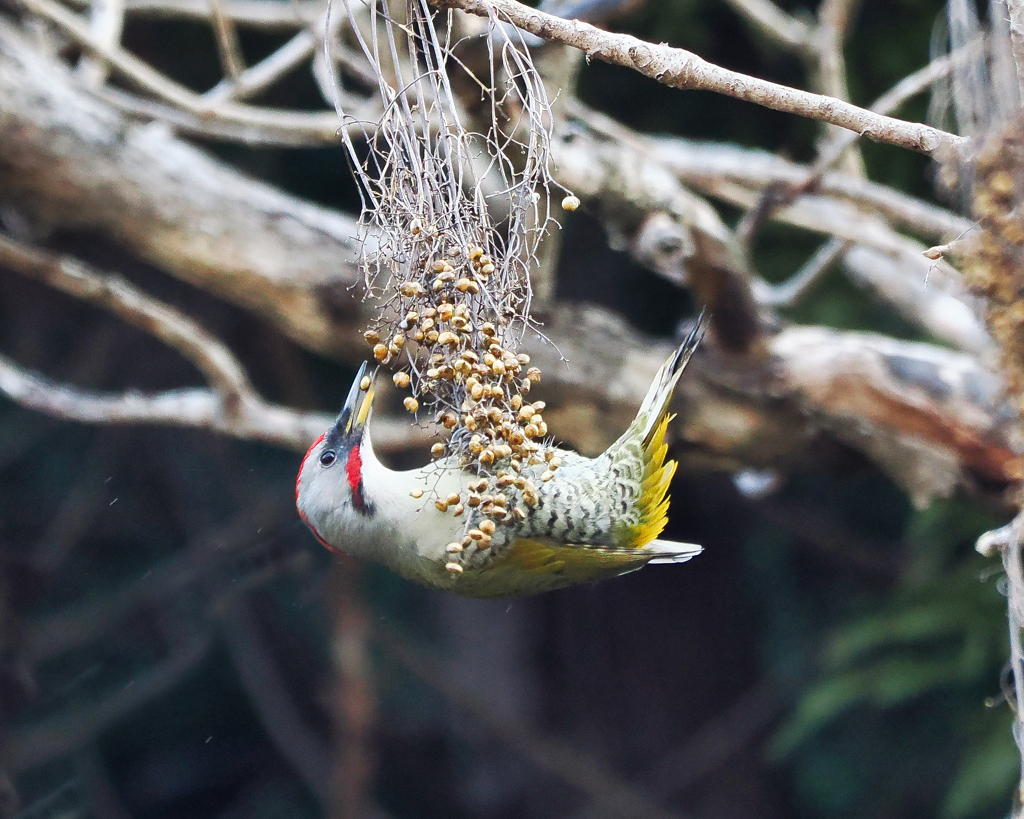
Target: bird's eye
[327, 457]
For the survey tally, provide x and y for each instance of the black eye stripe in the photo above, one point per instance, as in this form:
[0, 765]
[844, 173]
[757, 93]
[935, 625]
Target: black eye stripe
[327, 457]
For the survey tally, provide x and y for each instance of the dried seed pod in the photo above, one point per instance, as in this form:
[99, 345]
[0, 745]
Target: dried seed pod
[539, 406]
[554, 463]
[505, 480]
[438, 285]
[531, 431]
[533, 374]
[488, 329]
[448, 338]
[547, 476]
[460, 323]
[401, 379]
[411, 289]
[433, 372]
[431, 337]
[530, 498]
[476, 534]
[441, 506]
[380, 352]
[570, 203]
[453, 568]
[517, 401]
[437, 450]
[475, 253]
[416, 493]
[526, 412]
[484, 543]
[364, 383]
[537, 419]
[519, 513]
[458, 509]
[473, 499]
[465, 285]
[486, 269]
[452, 499]
[523, 358]
[487, 457]
[439, 265]
[542, 428]
[470, 357]
[487, 526]
[411, 404]
[524, 386]
[453, 548]
[445, 311]
[448, 276]
[477, 391]
[498, 368]
[449, 421]
[429, 313]
[371, 336]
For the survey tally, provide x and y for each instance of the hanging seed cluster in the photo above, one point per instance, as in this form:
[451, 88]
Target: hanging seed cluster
[451, 222]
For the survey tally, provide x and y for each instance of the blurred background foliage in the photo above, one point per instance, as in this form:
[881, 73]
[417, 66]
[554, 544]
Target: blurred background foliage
[834, 653]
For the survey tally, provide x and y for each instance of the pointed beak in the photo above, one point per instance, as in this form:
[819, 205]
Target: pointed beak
[356, 411]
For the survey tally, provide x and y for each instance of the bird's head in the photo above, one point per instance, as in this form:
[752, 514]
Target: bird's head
[329, 491]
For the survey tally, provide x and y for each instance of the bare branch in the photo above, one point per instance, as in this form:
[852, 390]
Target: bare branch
[774, 23]
[683, 69]
[228, 47]
[115, 294]
[252, 13]
[106, 18]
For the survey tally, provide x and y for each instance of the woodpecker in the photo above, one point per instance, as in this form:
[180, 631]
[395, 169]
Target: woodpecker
[594, 518]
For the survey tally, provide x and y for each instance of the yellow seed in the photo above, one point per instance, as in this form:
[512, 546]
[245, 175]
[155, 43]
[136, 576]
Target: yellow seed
[517, 401]
[444, 311]
[547, 476]
[499, 500]
[531, 431]
[437, 450]
[570, 203]
[533, 374]
[526, 412]
[438, 285]
[473, 499]
[539, 406]
[461, 323]
[411, 289]
[498, 368]
[364, 383]
[484, 543]
[431, 337]
[401, 380]
[453, 548]
[458, 509]
[441, 506]
[519, 513]
[438, 266]
[371, 336]
[418, 335]
[486, 269]
[417, 493]
[453, 568]
[452, 499]
[542, 428]
[470, 356]
[536, 420]
[476, 534]
[524, 387]
[530, 498]
[523, 358]
[465, 285]
[487, 457]
[411, 404]
[487, 328]
[448, 338]
[412, 317]
[380, 352]
[475, 253]
[554, 463]
[477, 391]
[448, 420]
[487, 526]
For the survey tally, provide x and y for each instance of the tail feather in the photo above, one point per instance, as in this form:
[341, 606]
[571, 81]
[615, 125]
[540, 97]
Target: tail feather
[668, 551]
[655, 405]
